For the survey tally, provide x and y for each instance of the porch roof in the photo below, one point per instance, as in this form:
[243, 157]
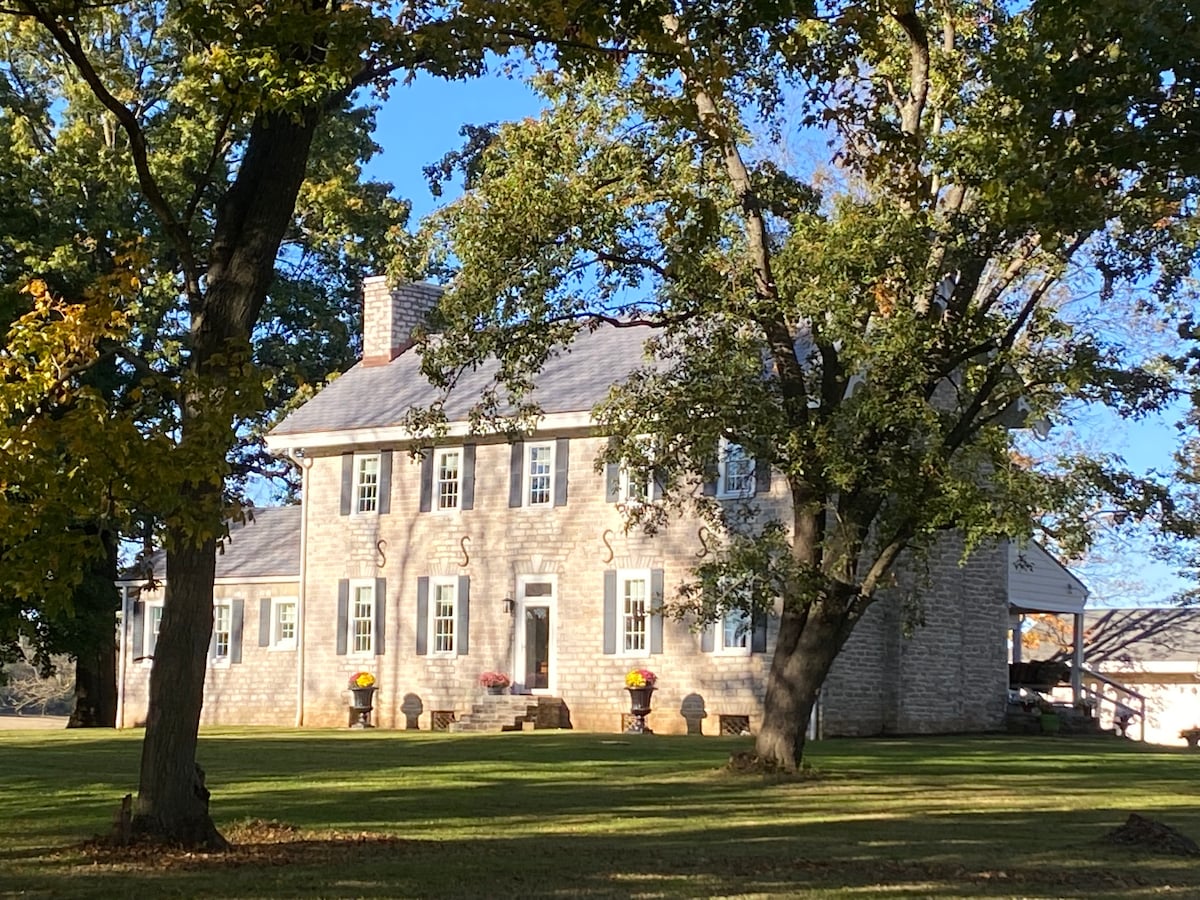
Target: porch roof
[1037, 582]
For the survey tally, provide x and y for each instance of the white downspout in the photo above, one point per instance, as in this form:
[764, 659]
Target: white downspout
[296, 455]
[124, 630]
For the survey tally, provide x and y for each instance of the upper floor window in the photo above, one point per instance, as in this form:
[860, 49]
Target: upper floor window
[448, 475]
[366, 483]
[735, 471]
[636, 485]
[539, 474]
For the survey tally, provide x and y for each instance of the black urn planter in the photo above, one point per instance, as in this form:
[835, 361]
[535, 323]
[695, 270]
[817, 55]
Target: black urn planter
[361, 706]
[639, 708]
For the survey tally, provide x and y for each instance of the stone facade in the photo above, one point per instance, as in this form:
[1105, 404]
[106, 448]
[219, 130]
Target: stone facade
[950, 675]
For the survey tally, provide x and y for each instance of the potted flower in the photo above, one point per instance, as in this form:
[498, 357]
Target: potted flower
[362, 692]
[494, 682]
[640, 684]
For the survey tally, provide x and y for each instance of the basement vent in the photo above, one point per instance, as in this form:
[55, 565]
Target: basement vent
[734, 725]
[440, 719]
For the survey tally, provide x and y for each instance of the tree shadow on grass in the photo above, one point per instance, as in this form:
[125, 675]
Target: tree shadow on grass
[272, 859]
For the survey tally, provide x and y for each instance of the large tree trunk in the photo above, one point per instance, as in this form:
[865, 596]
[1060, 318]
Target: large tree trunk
[172, 801]
[252, 218]
[809, 641]
[95, 648]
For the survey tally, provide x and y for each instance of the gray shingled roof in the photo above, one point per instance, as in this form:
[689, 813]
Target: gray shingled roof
[574, 380]
[266, 546]
[1142, 634]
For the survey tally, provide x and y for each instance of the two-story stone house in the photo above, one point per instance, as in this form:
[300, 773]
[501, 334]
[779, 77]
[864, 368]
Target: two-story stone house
[429, 565]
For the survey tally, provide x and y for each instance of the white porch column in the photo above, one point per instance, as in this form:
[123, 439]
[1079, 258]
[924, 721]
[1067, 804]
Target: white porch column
[1077, 658]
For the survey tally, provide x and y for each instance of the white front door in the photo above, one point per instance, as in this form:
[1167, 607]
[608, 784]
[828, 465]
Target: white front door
[533, 666]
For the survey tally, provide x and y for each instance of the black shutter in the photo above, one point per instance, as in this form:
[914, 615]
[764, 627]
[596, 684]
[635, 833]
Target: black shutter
[462, 640]
[343, 615]
[762, 476]
[137, 626]
[610, 611]
[347, 483]
[562, 458]
[380, 614]
[712, 474]
[467, 500]
[422, 615]
[264, 622]
[237, 614]
[656, 610]
[708, 638]
[426, 479]
[385, 482]
[516, 475]
[758, 634]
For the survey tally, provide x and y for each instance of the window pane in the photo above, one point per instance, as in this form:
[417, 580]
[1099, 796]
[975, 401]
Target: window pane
[634, 614]
[285, 622]
[443, 618]
[539, 475]
[362, 619]
[222, 617]
[367, 490]
[447, 480]
[739, 470]
[736, 629]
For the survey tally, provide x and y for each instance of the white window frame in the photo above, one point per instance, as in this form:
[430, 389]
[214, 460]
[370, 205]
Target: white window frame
[437, 584]
[357, 586]
[438, 456]
[358, 499]
[723, 473]
[624, 578]
[278, 642]
[527, 475]
[743, 618]
[151, 625]
[640, 477]
[222, 607]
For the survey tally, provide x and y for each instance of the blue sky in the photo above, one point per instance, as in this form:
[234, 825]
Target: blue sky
[419, 123]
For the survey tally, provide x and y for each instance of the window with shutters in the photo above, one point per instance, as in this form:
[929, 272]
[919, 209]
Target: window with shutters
[637, 485]
[222, 636]
[443, 611]
[283, 623]
[539, 474]
[633, 605]
[366, 483]
[361, 622]
[734, 628]
[735, 472]
[447, 479]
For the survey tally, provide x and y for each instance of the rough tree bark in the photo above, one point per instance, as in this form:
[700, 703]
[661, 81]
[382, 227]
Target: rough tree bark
[252, 218]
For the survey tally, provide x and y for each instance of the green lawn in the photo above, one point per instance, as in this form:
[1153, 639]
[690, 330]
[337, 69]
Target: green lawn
[401, 814]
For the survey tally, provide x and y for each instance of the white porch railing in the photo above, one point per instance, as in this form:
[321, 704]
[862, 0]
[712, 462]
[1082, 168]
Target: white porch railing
[1126, 704]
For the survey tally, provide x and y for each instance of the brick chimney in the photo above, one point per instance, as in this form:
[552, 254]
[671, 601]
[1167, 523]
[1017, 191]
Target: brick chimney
[389, 317]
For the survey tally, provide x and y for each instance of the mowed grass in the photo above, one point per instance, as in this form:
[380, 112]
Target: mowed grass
[563, 814]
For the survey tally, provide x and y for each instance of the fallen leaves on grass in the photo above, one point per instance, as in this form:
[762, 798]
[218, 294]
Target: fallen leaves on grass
[255, 842]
